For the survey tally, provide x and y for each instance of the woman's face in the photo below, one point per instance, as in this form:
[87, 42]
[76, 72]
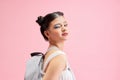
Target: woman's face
[58, 30]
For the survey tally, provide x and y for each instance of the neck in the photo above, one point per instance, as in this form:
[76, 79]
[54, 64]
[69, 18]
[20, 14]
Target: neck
[58, 45]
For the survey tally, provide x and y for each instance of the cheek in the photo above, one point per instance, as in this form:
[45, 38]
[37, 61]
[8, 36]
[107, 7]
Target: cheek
[56, 33]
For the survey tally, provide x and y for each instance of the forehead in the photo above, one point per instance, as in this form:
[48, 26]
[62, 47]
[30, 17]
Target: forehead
[59, 19]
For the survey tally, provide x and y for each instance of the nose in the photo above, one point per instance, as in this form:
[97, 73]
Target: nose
[64, 29]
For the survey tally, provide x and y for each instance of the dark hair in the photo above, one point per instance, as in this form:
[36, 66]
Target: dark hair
[45, 21]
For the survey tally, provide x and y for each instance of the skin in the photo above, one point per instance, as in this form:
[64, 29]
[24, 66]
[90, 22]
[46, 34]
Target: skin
[56, 38]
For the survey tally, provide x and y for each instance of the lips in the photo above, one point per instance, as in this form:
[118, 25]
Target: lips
[64, 34]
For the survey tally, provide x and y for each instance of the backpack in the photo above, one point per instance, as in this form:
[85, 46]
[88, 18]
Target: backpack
[34, 67]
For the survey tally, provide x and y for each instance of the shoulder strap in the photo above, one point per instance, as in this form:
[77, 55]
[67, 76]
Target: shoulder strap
[51, 57]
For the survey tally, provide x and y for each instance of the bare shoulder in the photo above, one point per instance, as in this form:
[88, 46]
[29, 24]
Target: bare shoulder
[55, 67]
[58, 62]
[60, 59]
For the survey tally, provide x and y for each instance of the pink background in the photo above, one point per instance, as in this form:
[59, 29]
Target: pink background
[93, 47]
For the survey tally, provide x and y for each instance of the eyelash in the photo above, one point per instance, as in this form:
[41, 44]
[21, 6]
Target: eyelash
[59, 25]
[66, 25]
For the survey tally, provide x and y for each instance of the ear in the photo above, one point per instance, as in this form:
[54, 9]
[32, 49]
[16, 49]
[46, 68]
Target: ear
[46, 33]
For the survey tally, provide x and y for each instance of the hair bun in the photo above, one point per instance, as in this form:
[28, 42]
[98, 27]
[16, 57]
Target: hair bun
[39, 20]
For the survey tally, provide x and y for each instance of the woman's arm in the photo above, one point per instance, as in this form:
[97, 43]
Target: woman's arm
[55, 67]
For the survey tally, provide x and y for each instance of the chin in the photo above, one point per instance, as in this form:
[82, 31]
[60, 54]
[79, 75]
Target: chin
[65, 39]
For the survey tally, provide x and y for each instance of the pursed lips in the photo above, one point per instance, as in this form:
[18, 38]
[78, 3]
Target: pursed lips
[64, 34]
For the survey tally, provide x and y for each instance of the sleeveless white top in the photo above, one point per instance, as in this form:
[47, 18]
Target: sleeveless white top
[67, 74]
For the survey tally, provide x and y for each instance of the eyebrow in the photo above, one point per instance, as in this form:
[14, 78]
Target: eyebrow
[63, 22]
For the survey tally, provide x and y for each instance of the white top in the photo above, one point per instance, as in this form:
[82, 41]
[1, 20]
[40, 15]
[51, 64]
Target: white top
[67, 74]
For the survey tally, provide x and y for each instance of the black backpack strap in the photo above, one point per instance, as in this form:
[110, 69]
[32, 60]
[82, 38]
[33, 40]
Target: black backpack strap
[36, 54]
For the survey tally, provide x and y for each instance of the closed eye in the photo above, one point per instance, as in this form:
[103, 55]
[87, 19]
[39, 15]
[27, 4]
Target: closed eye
[57, 26]
[65, 25]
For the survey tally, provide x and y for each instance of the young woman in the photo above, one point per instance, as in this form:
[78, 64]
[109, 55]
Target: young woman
[54, 29]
